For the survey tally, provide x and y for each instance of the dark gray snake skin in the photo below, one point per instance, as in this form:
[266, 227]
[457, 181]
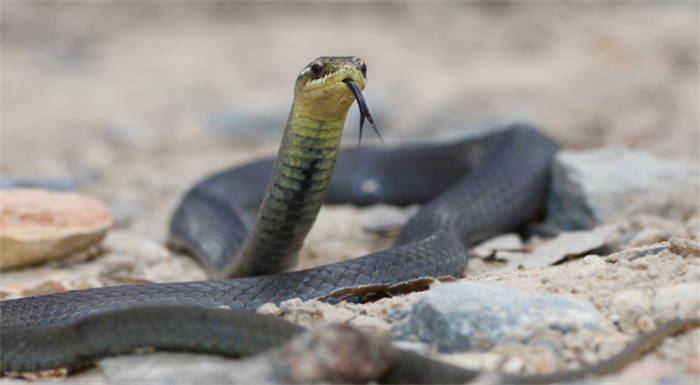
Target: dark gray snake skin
[498, 183]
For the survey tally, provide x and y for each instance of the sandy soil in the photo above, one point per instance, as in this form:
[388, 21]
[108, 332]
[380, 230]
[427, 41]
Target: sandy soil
[136, 102]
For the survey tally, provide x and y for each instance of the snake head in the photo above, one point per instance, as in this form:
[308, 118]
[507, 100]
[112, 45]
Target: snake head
[322, 89]
[327, 86]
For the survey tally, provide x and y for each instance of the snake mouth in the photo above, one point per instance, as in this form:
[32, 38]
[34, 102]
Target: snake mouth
[364, 110]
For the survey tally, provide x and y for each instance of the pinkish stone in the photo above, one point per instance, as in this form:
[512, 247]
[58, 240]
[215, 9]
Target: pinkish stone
[37, 225]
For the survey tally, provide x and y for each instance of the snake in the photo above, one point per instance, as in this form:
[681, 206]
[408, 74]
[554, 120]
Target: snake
[246, 226]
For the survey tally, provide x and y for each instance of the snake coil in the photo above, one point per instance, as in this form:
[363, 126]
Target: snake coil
[474, 188]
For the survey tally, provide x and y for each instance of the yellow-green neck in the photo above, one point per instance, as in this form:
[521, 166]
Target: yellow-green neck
[295, 193]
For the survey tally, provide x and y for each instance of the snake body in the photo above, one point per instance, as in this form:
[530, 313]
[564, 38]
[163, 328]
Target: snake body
[505, 187]
[474, 188]
[512, 176]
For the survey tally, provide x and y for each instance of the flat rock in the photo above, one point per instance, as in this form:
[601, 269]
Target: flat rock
[465, 316]
[600, 185]
[39, 225]
[551, 251]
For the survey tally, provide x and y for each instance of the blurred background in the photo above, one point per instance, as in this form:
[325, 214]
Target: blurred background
[134, 102]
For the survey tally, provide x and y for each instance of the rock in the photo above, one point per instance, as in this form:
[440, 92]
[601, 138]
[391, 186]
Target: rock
[38, 225]
[692, 227]
[554, 250]
[61, 183]
[630, 305]
[333, 353]
[598, 185]
[638, 252]
[678, 299]
[662, 304]
[464, 316]
[684, 247]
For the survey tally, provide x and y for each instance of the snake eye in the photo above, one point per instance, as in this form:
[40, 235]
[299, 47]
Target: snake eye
[363, 68]
[316, 69]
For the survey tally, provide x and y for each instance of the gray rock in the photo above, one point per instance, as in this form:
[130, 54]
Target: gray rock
[464, 316]
[60, 183]
[594, 186]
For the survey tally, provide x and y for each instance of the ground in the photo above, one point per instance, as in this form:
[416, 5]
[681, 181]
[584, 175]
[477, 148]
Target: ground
[133, 103]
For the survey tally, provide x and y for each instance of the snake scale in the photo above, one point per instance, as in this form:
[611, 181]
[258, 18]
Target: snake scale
[240, 225]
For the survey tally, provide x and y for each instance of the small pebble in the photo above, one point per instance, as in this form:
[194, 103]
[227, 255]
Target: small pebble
[513, 365]
[646, 323]
[414, 346]
[287, 307]
[684, 247]
[269, 309]
[593, 259]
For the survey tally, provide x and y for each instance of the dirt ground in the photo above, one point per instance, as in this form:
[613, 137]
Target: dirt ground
[134, 103]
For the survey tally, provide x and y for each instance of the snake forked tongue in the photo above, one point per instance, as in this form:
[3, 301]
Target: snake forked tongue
[364, 111]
